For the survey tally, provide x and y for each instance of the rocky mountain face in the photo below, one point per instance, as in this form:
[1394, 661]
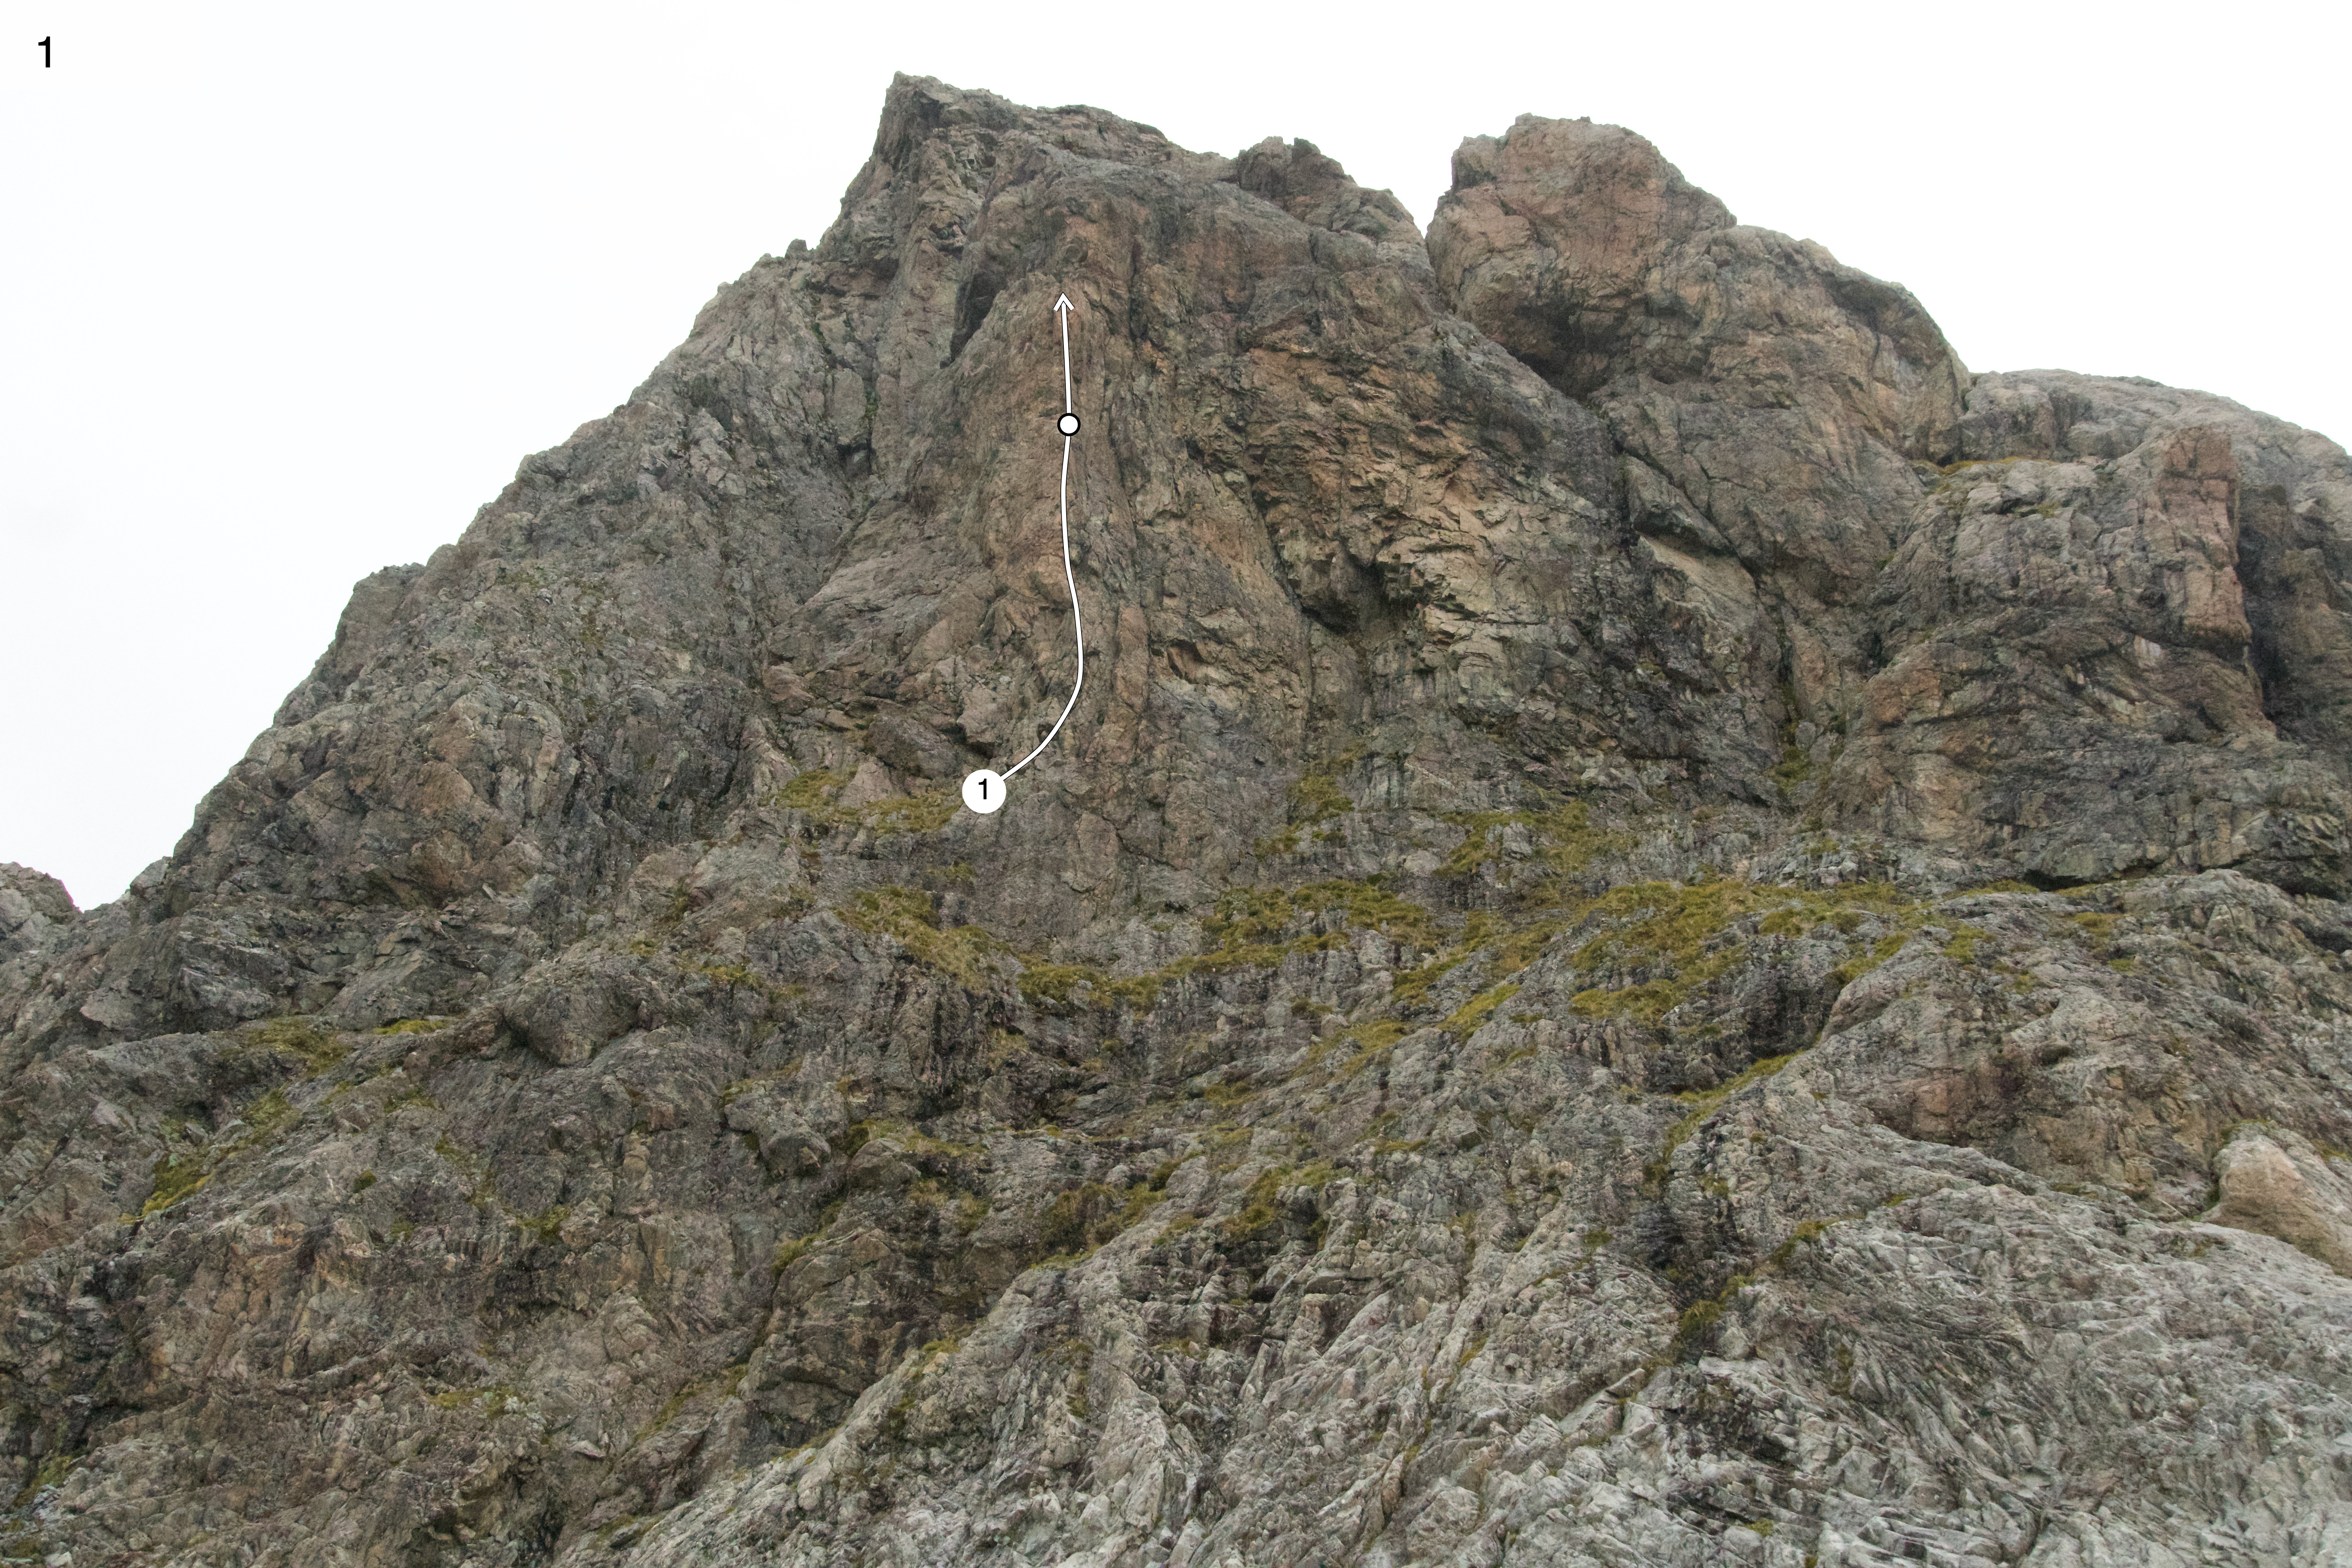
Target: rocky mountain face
[1670, 931]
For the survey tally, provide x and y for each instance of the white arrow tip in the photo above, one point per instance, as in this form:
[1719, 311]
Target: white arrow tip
[1064, 303]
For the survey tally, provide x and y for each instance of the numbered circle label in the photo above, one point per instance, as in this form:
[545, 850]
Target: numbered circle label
[983, 791]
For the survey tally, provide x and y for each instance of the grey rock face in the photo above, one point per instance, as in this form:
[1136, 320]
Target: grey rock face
[1669, 932]
[31, 903]
[2072, 663]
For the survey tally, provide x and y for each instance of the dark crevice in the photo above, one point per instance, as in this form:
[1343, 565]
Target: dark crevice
[974, 299]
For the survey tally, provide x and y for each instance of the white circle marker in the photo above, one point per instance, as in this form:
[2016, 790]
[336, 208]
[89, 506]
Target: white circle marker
[1068, 424]
[983, 791]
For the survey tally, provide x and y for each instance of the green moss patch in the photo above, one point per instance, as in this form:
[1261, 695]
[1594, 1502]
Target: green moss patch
[317, 1049]
[181, 1174]
[1250, 928]
[926, 813]
[1703, 1104]
[1562, 837]
[1674, 935]
[1465, 1020]
[966, 954]
[1259, 1212]
[1085, 1216]
[815, 790]
[812, 789]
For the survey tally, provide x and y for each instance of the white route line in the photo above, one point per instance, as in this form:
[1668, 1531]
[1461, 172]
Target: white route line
[1062, 308]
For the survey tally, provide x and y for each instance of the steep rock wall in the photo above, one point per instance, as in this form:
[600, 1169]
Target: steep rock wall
[1669, 930]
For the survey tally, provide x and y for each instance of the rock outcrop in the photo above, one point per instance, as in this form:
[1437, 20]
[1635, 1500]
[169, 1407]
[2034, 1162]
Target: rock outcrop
[1669, 930]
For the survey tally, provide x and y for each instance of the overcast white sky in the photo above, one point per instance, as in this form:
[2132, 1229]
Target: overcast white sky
[289, 290]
